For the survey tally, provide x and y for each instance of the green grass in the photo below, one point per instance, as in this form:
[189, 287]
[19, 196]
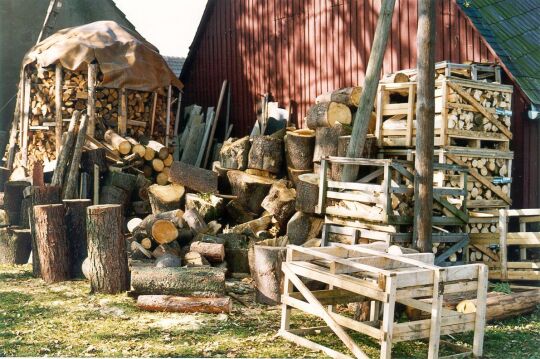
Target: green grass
[65, 320]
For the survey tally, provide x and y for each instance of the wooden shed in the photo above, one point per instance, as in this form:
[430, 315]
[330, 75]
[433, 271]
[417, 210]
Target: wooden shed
[297, 49]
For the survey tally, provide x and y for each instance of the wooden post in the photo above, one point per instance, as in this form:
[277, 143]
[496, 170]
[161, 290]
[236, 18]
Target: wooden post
[58, 106]
[70, 190]
[214, 125]
[363, 114]
[64, 156]
[122, 116]
[425, 112]
[76, 234]
[96, 185]
[168, 123]
[25, 120]
[107, 249]
[15, 125]
[91, 109]
[154, 108]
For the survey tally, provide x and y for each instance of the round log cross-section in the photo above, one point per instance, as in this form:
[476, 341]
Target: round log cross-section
[106, 249]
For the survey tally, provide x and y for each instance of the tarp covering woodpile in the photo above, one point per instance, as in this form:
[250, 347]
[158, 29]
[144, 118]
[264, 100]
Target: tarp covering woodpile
[126, 59]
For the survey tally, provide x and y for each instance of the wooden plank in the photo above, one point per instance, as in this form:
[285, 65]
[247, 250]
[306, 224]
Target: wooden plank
[209, 123]
[410, 115]
[58, 75]
[214, 125]
[480, 318]
[523, 238]
[122, 113]
[334, 296]
[91, 105]
[387, 326]
[436, 313]
[311, 345]
[522, 212]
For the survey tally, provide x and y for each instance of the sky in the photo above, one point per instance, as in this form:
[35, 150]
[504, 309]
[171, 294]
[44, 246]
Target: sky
[170, 25]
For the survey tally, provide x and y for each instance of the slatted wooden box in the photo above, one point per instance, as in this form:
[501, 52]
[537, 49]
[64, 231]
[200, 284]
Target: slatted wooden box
[356, 274]
[467, 113]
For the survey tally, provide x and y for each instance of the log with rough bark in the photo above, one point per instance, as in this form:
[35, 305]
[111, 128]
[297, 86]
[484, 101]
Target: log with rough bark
[209, 207]
[250, 190]
[64, 157]
[234, 154]
[236, 251]
[175, 304]
[107, 249]
[349, 96]
[117, 142]
[326, 141]
[76, 233]
[165, 198]
[302, 227]
[326, 114]
[265, 267]
[299, 147]
[15, 245]
[52, 244]
[13, 197]
[213, 252]
[195, 221]
[266, 154]
[72, 181]
[307, 192]
[294, 174]
[195, 178]
[183, 281]
[280, 202]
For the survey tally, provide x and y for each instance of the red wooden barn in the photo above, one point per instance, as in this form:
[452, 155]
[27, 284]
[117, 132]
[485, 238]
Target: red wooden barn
[297, 49]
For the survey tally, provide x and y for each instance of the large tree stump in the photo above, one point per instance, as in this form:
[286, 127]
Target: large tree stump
[183, 281]
[250, 190]
[168, 303]
[307, 192]
[13, 197]
[76, 234]
[299, 147]
[107, 249]
[280, 202]
[302, 227]
[165, 198]
[326, 114]
[266, 154]
[234, 154]
[349, 96]
[265, 266]
[52, 244]
[15, 245]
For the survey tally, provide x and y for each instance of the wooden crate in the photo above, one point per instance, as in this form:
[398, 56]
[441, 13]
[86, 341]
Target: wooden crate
[467, 113]
[355, 273]
[488, 72]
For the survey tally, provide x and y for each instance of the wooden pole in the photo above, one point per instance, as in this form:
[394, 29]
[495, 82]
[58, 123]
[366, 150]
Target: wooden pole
[26, 119]
[58, 83]
[425, 112]
[122, 116]
[91, 109]
[168, 122]
[363, 115]
[70, 190]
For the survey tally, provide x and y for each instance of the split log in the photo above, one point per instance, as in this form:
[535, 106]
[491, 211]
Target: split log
[165, 198]
[250, 190]
[157, 165]
[107, 249]
[195, 221]
[72, 182]
[307, 192]
[299, 148]
[146, 243]
[52, 244]
[161, 151]
[265, 266]
[195, 178]
[15, 245]
[167, 303]
[209, 207]
[234, 154]
[195, 259]
[266, 154]
[349, 96]
[118, 142]
[168, 260]
[75, 220]
[213, 252]
[184, 281]
[64, 157]
[302, 227]
[326, 141]
[164, 231]
[13, 197]
[280, 202]
[326, 114]
[125, 181]
[238, 214]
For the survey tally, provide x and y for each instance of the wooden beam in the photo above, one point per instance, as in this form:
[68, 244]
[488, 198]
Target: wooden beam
[91, 109]
[58, 83]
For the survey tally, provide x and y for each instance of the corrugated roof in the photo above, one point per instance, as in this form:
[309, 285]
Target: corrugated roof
[512, 29]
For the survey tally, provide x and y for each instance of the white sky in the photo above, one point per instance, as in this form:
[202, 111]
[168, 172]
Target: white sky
[168, 24]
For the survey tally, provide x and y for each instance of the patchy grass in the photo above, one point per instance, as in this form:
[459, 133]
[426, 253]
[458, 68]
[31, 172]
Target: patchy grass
[64, 320]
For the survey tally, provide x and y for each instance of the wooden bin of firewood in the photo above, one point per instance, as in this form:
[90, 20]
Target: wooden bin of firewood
[467, 113]
[355, 273]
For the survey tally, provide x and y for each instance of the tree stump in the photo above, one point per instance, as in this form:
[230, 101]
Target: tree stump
[250, 190]
[326, 114]
[107, 249]
[299, 147]
[52, 244]
[265, 266]
[307, 192]
[13, 197]
[266, 154]
[234, 154]
[15, 245]
[165, 198]
[76, 234]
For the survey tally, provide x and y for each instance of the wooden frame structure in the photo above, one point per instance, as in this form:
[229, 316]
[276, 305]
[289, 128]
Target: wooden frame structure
[354, 273]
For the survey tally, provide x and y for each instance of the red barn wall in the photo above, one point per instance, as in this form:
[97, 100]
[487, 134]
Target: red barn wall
[297, 49]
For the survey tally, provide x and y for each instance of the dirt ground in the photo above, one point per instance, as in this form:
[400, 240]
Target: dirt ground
[65, 320]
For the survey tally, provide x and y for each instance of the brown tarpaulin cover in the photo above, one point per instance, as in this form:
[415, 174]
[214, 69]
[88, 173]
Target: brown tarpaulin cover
[125, 59]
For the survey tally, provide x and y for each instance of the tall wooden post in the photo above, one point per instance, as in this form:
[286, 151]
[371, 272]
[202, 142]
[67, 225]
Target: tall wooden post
[58, 83]
[367, 99]
[425, 112]
[91, 108]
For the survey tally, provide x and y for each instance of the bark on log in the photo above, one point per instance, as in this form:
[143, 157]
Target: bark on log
[209, 207]
[64, 157]
[165, 198]
[326, 114]
[236, 251]
[195, 178]
[252, 227]
[13, 197]
[118, 142]
[113, 195]
[72, 182]
[141, 207]
[15, 245]
[213, 252]
[294, 174]
[234, 154]
[266, 154]
[223, 181]
[349, 96]
[167, 303]
[122, 180]
[195, 221]
[299, 148]
[326, 141]
[307, 192]
[76, 234]
[250, 190]
[52, 244]
[183, 281]
[302, 227]
[280, 202]
[107, 249]
[265, 266]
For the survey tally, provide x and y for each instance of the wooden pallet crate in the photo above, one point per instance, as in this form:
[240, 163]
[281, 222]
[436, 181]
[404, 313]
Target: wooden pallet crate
[354, 273]
[488, 72]
[467, 113]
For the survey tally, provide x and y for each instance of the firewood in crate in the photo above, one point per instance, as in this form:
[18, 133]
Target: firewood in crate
[266, 154]
[118, 142]
[349, 96]
[280, 202]
[234, 153]
[250, 190]
[299, 147]
[165, 198]
[326, 114]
